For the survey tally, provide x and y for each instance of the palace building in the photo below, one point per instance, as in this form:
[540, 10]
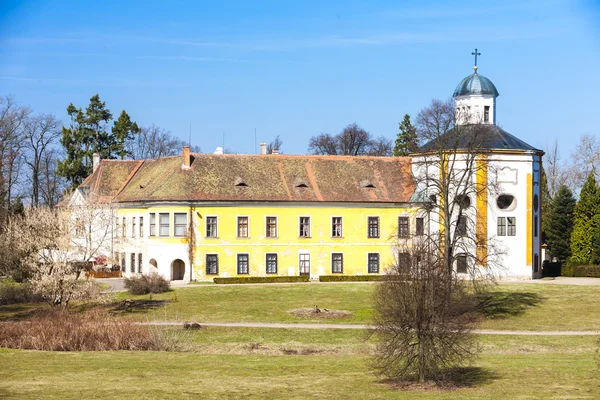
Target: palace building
[200, 216]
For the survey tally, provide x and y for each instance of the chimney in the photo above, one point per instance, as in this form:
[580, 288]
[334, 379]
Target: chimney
[263, 148]
[186, 157]
[275, 151]
[95, 162]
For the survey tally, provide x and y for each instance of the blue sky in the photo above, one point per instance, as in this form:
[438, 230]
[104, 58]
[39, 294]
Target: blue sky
[301, 68]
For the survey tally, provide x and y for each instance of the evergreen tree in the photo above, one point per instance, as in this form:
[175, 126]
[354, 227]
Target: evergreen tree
[560, 223]
[85, 136]
[588, 207]
[546, 204]
[406, 141]
[123, 131]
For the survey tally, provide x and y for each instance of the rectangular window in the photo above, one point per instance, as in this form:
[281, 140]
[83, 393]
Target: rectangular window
[180, 224]
[242, 263]
[139, 263]
[132, 264]
[212, 264]
[420, 227]
[211, 227]
[461, 225]
[535, 226]
[304, 264]
[461, 264]
[141, 227]
[271, 227]
[123, 263]
[403, 226]
[124, 227]
[133, 224]
[403, 259]
[336, 227]
[152, 224]
[271, 263]
[304, 226]
[163, 224]
[373, 266]
[242, 227]
[337, 263]
[501, 226]
[373, 227]
[486, 114]
[511, 226]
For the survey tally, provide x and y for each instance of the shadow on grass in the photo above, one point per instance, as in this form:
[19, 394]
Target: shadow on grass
[452, 379]
[136, 306]
[21, 312]
[497, 304]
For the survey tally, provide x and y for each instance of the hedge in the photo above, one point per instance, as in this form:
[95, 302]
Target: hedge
[581, 271]
[263, 279]
[551, 269]
[351, 278]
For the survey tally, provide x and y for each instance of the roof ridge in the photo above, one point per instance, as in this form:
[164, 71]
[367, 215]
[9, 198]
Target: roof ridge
[129, 177]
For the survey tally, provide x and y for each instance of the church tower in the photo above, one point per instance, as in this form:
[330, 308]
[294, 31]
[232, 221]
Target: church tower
[475, 98]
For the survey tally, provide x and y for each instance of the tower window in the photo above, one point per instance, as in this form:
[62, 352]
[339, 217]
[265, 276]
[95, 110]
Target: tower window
[486, 114]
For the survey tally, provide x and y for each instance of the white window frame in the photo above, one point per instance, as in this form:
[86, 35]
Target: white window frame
[331, 261]
[206, 227]
[309, 226]
[237, 227]
[237, 266]
[341, 227]
[276, 227]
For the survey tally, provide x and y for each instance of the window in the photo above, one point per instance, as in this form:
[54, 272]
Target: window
[506, 202]
[420, 226]
[461, 264]
[373, 227]
[180, 224]
[535, 226]
[212, 264]
[141, 227]
[511, 226]
[123, 261]
[501, 226]
[486, 113]
[271, 227]
[152, 224]
[163, 222]
[133, 227]
[139, 263]
[79, 228]
[132, 264]
[337, 263]
[124, 227]
[211, 227]
[304, 226]
[271, 263]
[242, 227]
[373, 260]
[536, 263]
[304, 265]
[461, 225]
[242, 263]
[403, 227]
[403, 259]
[336, 227]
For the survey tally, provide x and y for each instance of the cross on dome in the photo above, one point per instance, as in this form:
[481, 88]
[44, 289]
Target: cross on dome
[475, 53]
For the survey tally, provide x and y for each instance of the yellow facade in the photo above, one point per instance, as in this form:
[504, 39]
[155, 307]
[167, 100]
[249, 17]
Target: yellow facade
[354, 243]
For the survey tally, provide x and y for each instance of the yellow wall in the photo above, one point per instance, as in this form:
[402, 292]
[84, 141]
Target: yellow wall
[354, 244]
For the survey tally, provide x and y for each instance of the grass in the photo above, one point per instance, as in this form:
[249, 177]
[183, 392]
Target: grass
[512, 306]
[510, 367]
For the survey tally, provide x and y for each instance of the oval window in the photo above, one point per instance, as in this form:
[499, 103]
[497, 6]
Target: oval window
[506, 202]
[536, 201]
[463, 201]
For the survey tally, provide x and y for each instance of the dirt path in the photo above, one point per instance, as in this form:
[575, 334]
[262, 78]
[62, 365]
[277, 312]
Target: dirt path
[350, 326]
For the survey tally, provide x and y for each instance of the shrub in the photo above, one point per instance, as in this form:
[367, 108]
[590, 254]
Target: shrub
[14, 293]
[551, 269]
[581, 271]
[145, 284]
[64, 330]
[351, 278]
[263, 279]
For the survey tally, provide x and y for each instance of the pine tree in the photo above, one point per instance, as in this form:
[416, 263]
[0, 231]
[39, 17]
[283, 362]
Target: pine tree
[588, 207]
[560, 223]
[123, 131]
[546, 204]
[406, 141]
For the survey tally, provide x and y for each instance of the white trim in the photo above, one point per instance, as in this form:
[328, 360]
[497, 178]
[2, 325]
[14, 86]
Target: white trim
[304, 252]
[276, 226]
[236, 263]
[331, 253]
[378, 227]
[206, 217]
[237, 231]
[203, 269]
[267, 264]
[367, 265]
[309, 226]
[331, 227]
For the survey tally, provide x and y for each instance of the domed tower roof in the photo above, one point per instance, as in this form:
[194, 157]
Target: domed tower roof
[475, 84]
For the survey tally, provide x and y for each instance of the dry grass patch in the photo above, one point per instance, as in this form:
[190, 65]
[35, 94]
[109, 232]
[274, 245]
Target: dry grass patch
[322, 313]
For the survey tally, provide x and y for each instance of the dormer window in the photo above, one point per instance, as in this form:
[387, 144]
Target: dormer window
[486, 114]
[239, 182]
[367, 184]
[301, 185]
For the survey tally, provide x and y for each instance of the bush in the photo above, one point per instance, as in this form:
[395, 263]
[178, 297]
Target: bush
[351, 278]
[551, 269]
[14, 293]
[581, 271]
[263, 279]
[63, 330]
[145, 284]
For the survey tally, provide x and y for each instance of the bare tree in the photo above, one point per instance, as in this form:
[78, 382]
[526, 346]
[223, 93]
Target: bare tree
[556, 172]
[155, 142]
[276, 144]
[41, 132]
[423, 316]
[352, 140]
[52, 186]
[584, 161]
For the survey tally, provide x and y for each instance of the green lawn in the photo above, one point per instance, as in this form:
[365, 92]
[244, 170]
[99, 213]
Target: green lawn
[518, 306]
[510, 368]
